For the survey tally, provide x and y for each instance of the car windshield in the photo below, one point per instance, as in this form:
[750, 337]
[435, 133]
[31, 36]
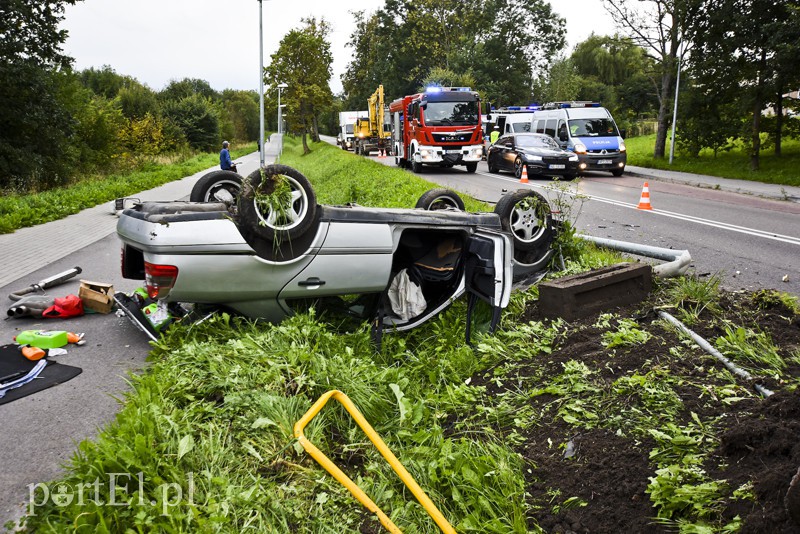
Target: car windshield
[592, 128]
[348, 128]
[448, 113]
[536, 141]
[520, 127]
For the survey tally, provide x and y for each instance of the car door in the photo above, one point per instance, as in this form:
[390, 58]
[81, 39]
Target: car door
[356, 258]
[509, 154]
[488, 273]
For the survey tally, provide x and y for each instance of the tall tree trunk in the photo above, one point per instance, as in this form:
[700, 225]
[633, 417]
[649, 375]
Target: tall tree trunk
[663, 114]
[755, 147]
[758, 105]
[314, 129]
[778, 118]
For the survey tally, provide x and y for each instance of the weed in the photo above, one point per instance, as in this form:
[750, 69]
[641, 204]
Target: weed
[753, 348]
[691, 295]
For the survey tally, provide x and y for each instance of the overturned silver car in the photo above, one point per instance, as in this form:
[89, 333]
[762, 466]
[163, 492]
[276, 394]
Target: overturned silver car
[263, 247]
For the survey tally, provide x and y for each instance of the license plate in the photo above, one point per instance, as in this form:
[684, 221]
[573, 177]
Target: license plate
[452, 152]
[557, 166]
[604, 162]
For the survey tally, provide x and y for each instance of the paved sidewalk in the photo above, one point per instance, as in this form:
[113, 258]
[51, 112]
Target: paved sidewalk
[29, 249]
[772, 191]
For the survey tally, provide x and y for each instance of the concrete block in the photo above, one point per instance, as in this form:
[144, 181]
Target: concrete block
[592, 292]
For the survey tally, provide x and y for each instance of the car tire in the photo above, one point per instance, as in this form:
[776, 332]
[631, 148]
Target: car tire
[492, 166]
[526, 215]
[472, 167]
[416, 166]
[518, 167]
[217, 186]
[617, 172]
[440, 199]
[257, 221]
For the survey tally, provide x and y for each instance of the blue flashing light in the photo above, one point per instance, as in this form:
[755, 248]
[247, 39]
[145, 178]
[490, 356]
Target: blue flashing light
[433, 89]
[534, 108]
[514, 108]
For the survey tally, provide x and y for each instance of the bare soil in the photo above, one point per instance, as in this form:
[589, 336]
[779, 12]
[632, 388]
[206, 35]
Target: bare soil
[759, 439]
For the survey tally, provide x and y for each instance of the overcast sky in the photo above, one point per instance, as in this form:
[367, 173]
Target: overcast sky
[156, 41]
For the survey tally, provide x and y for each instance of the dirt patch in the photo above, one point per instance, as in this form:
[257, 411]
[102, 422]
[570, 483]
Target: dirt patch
[595, 480]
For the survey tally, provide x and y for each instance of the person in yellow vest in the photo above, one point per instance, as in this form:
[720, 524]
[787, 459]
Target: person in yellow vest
[494, 135]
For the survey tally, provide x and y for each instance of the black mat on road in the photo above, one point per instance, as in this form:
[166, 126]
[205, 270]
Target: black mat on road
[12, 363]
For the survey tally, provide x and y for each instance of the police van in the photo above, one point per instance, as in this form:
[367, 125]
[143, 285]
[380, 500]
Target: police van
[587, 129]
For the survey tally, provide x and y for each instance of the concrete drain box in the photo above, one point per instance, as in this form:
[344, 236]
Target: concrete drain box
[585, 294]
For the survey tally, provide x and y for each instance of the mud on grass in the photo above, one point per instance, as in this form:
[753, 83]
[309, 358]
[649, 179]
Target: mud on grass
[590, 473]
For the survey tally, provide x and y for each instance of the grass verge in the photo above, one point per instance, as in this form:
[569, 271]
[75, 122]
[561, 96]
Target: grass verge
[733, 164]
[20, 211]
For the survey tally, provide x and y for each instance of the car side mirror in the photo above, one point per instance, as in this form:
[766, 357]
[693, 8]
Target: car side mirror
[623, 133]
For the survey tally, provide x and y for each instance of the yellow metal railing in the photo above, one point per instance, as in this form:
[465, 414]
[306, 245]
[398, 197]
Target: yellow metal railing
[376, 440]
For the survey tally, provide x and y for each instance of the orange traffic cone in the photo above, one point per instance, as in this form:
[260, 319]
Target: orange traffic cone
[523, 178]
[644, 201]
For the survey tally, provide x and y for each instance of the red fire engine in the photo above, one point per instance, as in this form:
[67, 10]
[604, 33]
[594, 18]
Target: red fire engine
[440, 127]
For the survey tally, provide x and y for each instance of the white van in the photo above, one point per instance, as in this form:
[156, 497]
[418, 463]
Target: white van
[511, 119]
[586, 129]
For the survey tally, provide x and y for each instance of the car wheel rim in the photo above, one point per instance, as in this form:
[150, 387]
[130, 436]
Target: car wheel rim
[528, 220]
[289, 217]
[442, 203]
[223, 191]
[518, 168]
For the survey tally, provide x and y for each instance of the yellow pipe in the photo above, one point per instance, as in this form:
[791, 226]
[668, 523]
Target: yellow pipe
[376, 440]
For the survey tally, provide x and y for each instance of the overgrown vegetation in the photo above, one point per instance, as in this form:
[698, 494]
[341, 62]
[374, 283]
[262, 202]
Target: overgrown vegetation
[21, 210]
[204, 439]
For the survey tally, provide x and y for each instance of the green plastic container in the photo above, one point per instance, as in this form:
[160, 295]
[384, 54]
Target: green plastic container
[43, 339]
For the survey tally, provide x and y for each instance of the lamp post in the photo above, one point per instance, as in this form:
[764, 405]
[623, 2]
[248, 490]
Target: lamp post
[260, 85]
[280, 117]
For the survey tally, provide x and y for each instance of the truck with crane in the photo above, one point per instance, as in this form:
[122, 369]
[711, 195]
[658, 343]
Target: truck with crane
[439, 127]
[372, 131]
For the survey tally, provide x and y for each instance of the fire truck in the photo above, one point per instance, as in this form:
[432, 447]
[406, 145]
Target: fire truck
[440, 127]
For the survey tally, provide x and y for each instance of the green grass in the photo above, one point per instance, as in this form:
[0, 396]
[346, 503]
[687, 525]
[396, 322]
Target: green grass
[734, 164]
[20, 211]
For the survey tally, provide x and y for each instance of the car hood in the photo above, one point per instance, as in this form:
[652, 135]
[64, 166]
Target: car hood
[599, 143]
[544, 152]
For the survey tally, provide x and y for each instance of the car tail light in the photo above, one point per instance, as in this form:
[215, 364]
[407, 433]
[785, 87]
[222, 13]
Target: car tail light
[159, 279]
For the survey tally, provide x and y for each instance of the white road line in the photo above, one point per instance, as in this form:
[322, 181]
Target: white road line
[699, 220]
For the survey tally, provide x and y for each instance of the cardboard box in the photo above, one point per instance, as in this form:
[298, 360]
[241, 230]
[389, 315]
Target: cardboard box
[97, 296]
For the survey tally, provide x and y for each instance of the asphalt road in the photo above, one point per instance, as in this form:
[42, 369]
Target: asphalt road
[752, 242]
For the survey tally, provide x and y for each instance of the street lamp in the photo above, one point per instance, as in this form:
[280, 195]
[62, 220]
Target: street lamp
[280, 86]
[260, 85]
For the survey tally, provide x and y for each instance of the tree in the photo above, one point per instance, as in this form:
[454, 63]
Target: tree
[497, 43]
[240, 115]
[197, 118]
[303, 61]
[660, 28]
[34, 126]
[179, 89]
[749, 48]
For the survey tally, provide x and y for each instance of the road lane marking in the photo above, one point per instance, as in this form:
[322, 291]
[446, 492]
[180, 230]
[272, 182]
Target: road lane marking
[691, 218]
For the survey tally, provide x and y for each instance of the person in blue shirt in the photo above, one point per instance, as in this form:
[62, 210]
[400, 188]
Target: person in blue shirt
[225, 162]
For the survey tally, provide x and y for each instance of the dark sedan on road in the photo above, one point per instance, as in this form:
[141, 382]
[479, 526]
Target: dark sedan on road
[539, 152]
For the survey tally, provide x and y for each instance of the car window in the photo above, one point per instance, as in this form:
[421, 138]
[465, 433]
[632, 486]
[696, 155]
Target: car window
[536, 141]
[592, 128]
[521, 127]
